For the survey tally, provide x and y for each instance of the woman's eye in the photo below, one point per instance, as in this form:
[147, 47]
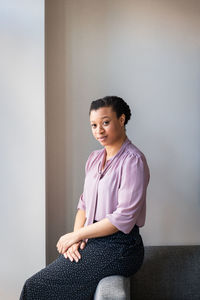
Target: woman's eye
[105, 122]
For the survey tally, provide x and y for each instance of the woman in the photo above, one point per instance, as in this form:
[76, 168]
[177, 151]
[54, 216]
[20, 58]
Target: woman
[106, 239]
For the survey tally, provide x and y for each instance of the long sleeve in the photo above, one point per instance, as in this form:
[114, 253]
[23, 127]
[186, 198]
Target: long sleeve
[131, 193]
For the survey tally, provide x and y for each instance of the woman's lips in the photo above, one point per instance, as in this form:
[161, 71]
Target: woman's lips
[102, 138]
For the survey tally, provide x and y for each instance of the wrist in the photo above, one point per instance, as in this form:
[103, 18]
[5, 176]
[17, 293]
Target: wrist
[79, 234]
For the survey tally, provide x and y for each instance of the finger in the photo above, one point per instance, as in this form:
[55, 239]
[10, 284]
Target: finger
[82, 246]
[65, 255]
[75, 256]
[58, 249]
[72, 252]
[70, 256]
[58, 245]
[65, 247]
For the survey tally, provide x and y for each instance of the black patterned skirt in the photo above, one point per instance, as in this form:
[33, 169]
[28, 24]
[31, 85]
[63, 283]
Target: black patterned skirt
[115, 254]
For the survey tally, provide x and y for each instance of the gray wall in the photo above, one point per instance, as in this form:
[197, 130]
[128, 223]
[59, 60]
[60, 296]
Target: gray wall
[22, 138]
[148, 52]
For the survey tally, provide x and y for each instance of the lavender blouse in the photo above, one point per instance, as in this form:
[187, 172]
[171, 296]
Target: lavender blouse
[119, 191]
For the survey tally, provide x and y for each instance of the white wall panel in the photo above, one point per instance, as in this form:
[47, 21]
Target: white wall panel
[22, 138]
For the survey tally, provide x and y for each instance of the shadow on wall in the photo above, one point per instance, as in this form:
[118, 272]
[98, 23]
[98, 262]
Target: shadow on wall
[58, 129]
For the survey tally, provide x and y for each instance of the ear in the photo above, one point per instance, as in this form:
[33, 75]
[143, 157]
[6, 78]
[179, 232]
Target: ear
[122, 119]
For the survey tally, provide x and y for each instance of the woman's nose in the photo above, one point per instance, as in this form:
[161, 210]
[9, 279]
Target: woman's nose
[100, 129]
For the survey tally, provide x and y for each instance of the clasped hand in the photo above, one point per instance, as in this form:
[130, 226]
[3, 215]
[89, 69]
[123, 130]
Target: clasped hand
[68, 245]
[66, 241]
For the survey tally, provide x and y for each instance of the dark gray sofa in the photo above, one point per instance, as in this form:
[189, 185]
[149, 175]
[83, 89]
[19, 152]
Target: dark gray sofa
[167, 273]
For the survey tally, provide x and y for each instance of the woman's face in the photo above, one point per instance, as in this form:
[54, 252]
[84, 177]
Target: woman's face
[106, 128]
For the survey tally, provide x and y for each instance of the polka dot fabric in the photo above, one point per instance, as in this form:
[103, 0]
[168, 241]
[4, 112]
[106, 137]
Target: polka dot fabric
[116, 254]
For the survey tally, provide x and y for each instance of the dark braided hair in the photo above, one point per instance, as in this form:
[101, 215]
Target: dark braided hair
[118, 105]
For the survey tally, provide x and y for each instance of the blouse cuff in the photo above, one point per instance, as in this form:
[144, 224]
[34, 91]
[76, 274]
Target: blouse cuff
[125, 227]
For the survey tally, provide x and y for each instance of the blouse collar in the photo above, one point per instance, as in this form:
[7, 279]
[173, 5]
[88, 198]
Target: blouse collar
[123, 146]
[127, 141]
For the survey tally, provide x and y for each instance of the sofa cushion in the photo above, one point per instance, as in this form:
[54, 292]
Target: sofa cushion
[114, 287]
[168, 273]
